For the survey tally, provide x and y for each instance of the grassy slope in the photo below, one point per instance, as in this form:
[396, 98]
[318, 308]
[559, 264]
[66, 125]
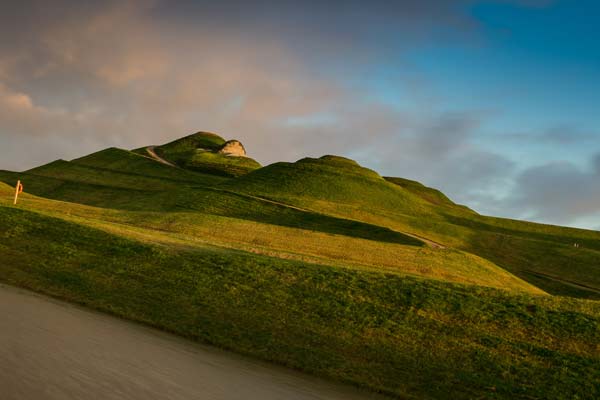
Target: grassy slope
[129, 162]
[110, 191]
[431, 195]
[339, 193]
[218, 164]
[332, 241]
[335, 181]
[541, 254]
[403, 336]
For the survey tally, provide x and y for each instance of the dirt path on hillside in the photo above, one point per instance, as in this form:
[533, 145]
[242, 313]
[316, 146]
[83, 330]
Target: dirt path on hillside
[156, 157]
[428, 242]
[152, 153]
[563, 281]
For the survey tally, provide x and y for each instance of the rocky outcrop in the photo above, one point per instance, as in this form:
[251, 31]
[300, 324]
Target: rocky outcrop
[233, 148]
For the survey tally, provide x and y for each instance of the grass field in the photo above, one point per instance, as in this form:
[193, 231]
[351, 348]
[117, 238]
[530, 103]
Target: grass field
[400, 255]
[321, 265]
[395, 334]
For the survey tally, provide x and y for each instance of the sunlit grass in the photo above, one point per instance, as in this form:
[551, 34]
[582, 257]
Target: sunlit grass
[403, 336]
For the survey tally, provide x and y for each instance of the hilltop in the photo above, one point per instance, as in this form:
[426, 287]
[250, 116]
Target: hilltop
[204, 152]
[319, 264]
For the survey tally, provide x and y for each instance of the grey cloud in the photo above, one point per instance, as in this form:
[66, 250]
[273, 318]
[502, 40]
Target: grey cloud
[558, 192]
[445, 134]
[122, 70]
[554, 135]
[438, 151]
[565, 135]
[596, 163]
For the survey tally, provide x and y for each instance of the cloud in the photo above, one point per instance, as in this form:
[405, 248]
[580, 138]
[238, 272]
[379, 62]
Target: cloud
[554, 135]
[557, 192]
[20, 116]
[438, 150]
[137, 72]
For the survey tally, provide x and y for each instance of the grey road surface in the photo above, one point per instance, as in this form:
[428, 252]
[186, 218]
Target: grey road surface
[54, 350]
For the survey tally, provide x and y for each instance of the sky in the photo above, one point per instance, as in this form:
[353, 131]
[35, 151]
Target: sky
[492, 102]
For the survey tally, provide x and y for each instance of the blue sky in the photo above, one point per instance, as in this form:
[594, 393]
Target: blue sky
[535, 70]
[494, 102]
[529, 70]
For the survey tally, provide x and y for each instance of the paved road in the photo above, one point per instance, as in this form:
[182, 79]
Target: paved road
[54, 350]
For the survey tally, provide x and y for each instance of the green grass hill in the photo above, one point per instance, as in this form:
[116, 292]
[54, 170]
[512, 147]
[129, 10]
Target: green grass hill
[431, 195]
[541, 254]
[329, 182]
[198, 140]
[203, 152]
[322, 265]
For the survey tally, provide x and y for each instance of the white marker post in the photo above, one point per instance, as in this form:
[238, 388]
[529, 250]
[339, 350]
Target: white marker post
[18, 190]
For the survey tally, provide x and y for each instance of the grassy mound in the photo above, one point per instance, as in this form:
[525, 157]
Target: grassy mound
[216, 163]
[433, 196]
[199, 140]
[199, 152]
[335, 180]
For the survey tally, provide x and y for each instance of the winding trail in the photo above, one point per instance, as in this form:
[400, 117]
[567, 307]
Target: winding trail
[152, 153]
[567, 282]
[428, 242]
